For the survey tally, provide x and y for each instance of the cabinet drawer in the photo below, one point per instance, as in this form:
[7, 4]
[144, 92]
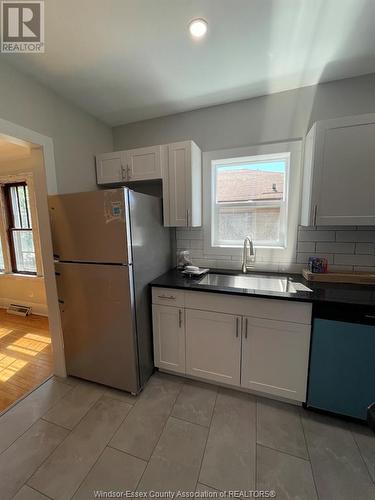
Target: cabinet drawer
[168, 296]
[273, 309]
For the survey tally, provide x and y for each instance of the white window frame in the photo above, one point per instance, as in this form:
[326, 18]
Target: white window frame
[11, 179]
[265, 253]
[283, 204]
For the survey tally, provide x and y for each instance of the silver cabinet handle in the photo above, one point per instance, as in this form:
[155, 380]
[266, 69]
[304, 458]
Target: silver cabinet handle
[315, 214]
[370, 316]
[170, 297]
[179, 318]
[128, 172]
[123, 172]
[237, 324]
[246, 323]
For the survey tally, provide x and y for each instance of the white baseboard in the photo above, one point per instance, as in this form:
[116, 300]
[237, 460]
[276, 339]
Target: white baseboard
[39, 309]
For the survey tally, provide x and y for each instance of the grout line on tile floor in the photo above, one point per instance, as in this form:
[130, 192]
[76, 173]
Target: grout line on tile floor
[283, 452]
[190, 422]
[93, 465]
[164, 426]
[82, 417]
[35, 421]
[57, 425]
[308, 454]
[46, 458]
[205, 445]
[126, 453]
[33, 488]
[363, 460]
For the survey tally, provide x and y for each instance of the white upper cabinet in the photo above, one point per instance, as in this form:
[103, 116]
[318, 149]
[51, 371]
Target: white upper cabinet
[339, 173]
[179, 165]
[144, 163]
[132, 165]
[182, 190]
[110, 168]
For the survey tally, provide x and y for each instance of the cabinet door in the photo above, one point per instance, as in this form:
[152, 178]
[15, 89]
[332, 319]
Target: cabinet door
[345, 174]
[179, 189]
[110, 168]
[144, 163]
[169, 338]
[275, 356]
[213, 346]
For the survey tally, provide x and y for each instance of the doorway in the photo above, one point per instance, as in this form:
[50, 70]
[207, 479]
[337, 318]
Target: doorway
[31, 346]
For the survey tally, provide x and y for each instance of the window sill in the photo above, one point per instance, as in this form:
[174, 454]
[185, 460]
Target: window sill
[20, 276]
[240, 247]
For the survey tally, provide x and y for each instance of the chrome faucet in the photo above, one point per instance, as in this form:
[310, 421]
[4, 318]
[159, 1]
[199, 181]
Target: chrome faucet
[248, 255]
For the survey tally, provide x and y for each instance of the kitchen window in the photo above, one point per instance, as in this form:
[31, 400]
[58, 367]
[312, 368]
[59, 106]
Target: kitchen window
[19, 228]
[249, 198]
[252, 191]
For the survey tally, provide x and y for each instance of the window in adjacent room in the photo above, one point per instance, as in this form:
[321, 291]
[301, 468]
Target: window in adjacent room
[19, 228]
[249, 198]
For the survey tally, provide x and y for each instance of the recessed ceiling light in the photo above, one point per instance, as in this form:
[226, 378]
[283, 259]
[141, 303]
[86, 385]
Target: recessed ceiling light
[198, 28]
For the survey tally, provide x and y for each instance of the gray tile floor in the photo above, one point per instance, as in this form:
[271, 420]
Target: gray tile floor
[70, 438]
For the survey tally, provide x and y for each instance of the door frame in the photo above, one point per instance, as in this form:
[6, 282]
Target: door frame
[45, 184]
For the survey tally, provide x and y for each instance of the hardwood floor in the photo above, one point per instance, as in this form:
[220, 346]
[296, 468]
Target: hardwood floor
[25, 355]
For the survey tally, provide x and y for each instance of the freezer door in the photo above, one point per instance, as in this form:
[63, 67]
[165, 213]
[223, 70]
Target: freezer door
[97, 313]
[91, 227]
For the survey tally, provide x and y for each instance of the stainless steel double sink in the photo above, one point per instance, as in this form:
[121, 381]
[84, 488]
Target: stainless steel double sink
[256, 282]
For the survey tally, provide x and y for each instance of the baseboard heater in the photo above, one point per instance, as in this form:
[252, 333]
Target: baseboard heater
[19, 310]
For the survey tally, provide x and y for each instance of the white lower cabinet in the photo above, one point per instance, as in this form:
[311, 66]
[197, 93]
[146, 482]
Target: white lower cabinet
[264, 355]
[213, 346]
[169, 338]
[275, 356]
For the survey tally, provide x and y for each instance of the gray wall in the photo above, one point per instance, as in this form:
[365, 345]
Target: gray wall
[285, 115]
[77, 136]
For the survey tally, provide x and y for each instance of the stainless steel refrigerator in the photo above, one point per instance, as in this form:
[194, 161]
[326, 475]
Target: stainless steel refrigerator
[108, 245]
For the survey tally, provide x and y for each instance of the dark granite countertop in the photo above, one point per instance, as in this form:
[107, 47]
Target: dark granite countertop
[335, 293]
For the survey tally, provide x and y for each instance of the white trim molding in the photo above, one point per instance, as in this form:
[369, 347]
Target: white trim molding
[266, 255]
[45, 184]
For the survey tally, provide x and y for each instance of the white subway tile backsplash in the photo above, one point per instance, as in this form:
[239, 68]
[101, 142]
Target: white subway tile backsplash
[364, 248]
[184, 235]
[183, 244]
[355, 260]
[196, 244]
[340, 269]
[347, 248]
[334, 247]
[316, 235]
[306, 246]
[356, 236]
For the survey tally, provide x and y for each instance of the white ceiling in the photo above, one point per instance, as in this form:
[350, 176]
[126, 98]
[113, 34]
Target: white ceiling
[128, 60]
